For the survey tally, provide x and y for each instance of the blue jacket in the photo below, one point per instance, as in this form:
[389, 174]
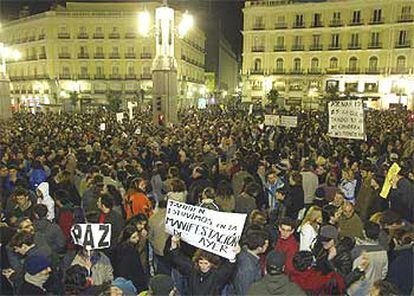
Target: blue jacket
[247, 272]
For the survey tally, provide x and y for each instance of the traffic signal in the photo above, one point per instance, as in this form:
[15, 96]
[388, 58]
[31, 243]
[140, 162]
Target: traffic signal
[158, 104]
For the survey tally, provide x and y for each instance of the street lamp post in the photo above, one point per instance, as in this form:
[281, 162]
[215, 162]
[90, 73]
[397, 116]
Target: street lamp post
[164, 67]
[5, 103]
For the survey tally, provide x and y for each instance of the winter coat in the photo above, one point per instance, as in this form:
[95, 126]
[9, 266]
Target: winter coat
[316, 283]
[177, 196]
[289, 247]
[308, 236]
[36, 177]
[237, 182]
[126, 263]
[117, 222]
[51, 233]
[46, 200]
[400, 270]
[210, 283]
[157, 235]
[275, 285]
[310, 183]
[245, 203]
[297, 201]
[196, 189]
[247, 272]
[401, 199]
[351, 227]
[137, 203]
[31, 290]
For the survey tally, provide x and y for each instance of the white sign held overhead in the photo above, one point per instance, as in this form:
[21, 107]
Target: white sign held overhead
[102, 126]
[92, 236]
[213, 231]
[346, 119]
[271, 120]
[119, 117]
[288, 121]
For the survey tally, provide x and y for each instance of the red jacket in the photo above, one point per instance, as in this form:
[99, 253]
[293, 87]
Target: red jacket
[289, 246]
[315, 283]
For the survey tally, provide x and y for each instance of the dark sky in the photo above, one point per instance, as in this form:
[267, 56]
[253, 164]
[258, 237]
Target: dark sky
[228, 11]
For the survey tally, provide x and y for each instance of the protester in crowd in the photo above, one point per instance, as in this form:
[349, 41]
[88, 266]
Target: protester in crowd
[76, 280]
[246, 202]
[275, 282]
[177, 190]
[309, 182]
[350, 224]
[296, 195]
[225, 198]
[37, 271]
[384, 288]
[43, 197]
[135, 201]
[248, 265]
[207, 275]
[286, 242]
[309, 228]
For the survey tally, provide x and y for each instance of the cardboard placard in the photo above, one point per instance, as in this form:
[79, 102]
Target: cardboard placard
[213, 231]
[346, 119]
[92, 236]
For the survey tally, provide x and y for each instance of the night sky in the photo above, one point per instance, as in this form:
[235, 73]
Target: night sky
[227, 11]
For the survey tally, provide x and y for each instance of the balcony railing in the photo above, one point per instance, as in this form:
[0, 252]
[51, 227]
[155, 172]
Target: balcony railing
[32, 57]
[352, 70]
[333, 70]
[336, 23]
[130, 36]
[83, 36]
[258, 27]
[114, 36]
[315, 71]
[146, 76]
[279, 48]
[334, 46]
[42, 56]
[296, 71]
[279, 26]
[115, 76]
[317, 24]
[41, 37]
[354, 46]
[114, 55]
[298, 47]
[375, 70]
[404, 44]
[84, 76]
[315, 47]
[405, 18]
[31, 38]
[278, 71]
[258, 48]
[130, 55]
[64, 55]
[400, 70]
[130, 76]
[63, 35]
[83, 56]
[42, 76]
[99, 56]
[65, 76]
[375, 45]
[376, 21]
[356, 22]
[146, 55]
[99, 76]
[296, 25]
[98, 36]
[257, 71]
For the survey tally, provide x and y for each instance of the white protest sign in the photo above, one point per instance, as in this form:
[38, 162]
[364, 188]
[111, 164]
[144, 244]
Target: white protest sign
[138, 131]
[213, 231]
[119, 117]
[250, 109]
[288, 121]
[131, 107]
[346, 119]
[92, 236]
[102, 126]
[271, 120]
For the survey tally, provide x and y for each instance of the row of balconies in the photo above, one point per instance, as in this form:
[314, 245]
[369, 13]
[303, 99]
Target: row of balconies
[194, 44]
[192, 61]
[130, 55]
[281, 71]
[63, 35]
[332, 23]
[320, 47]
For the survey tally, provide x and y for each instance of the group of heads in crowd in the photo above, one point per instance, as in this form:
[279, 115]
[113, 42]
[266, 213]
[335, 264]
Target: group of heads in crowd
[313, 202]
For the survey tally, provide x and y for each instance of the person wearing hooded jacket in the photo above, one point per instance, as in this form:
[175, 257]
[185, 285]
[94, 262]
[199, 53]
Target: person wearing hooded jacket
[43, 197]
[275, 282]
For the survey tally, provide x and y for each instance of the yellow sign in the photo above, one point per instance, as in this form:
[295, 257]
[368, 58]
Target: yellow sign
[392, 173]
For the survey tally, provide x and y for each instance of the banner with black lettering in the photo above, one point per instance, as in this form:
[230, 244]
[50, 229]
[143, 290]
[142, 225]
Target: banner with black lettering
[92, 236]
[213, 231]
[346, 119]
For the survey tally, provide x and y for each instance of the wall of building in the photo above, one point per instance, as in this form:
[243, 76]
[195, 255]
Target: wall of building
[366, 47]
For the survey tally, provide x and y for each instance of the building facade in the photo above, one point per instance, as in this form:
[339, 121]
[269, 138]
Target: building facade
[310, 51]
[95, 50]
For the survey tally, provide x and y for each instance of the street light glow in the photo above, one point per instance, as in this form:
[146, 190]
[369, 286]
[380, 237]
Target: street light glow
[186, 24]
[144, 23]
[16, 55]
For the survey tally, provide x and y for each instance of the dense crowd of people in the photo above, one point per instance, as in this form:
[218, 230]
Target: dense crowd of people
[316, 224]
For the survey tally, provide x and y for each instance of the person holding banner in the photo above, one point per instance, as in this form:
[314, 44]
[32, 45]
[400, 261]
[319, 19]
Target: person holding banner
[207, 274]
